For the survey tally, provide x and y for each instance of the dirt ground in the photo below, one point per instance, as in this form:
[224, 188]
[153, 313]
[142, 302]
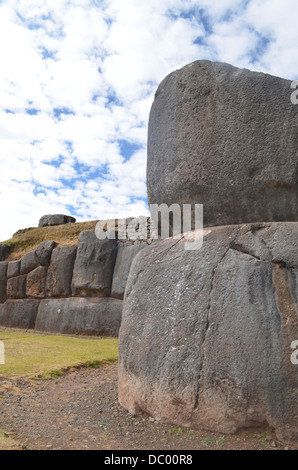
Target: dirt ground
[80, 411]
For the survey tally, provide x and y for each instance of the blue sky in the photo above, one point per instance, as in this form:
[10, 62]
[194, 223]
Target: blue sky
[77, 80]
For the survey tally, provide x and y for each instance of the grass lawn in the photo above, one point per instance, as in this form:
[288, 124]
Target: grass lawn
[46, 355]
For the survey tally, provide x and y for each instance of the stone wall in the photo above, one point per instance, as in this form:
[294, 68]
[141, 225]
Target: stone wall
[68, 289]
[207, 335]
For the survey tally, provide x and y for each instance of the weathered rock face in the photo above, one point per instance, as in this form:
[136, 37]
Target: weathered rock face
[94, 265]
[36, 283]
[90, 316]
[206, 335]
[125, 256]
[16, 287]
[55, 219]
[4, 251]
[60, 271]
[13, 268]
[3, 281]
[225, 138]
[19, 313]
[44, 251]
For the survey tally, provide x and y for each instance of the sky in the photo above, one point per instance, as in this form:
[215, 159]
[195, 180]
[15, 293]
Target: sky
[77, 81]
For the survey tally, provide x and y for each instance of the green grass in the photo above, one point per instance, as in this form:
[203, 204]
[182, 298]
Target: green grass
[45, 355]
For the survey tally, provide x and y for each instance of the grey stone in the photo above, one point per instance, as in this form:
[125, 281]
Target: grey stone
[29, 262]
[125, 257]
[80, 315]
[19, 313]
[60, 271]
[94, 265]
[215, 138]
[206, 335]
[4, 251]
[36, 283]
[43, 252]
[55, 219]
[16, 287]
[13, 268]
[3, 281]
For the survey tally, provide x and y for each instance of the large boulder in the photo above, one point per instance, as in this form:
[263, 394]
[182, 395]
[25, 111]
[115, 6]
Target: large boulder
[19, 313]
[55, 219]
[3, 281]
[207, 335]
[86, 316]
[36, 283]
[13, 268]
[94, 265]
[225, 138]
[16, 287]
[60, 271]
[44, 251]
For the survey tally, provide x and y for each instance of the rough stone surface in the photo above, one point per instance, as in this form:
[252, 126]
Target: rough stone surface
[36, 283]
[206, 335]
[60, 271]
[4, 251]
[29, 262]
[16, 287]
[43, 252]
[55, 219]
[13, 268]
[3, 281]
[19, 313]
[215, 138]
[94, 265]
[80, 315]
[125, 256]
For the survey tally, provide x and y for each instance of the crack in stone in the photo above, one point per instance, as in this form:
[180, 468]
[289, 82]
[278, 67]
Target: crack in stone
[237, 247]
[208, 316]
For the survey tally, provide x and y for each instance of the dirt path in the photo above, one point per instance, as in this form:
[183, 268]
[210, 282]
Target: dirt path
[79, 410]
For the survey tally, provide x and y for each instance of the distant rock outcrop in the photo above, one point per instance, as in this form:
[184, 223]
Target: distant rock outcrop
[55, 219]
[225, 138]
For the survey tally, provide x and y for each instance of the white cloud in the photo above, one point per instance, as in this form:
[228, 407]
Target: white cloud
[102, 62]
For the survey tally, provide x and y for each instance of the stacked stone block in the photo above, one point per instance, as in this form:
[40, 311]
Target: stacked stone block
[69, 289]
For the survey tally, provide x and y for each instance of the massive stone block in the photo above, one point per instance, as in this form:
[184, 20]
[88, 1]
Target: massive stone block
[19, 313]
[44, 251]
[3, 281]
[29, 262]
[16, 287]
[226, 138]
[36, 283]
[80, 315]
[94, 265]
[125, 256]
[13, 268]
[60, 271]
[206, 336]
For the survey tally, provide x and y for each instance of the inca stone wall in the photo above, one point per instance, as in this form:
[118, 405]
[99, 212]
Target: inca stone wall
[68, 289]
[207, 335]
